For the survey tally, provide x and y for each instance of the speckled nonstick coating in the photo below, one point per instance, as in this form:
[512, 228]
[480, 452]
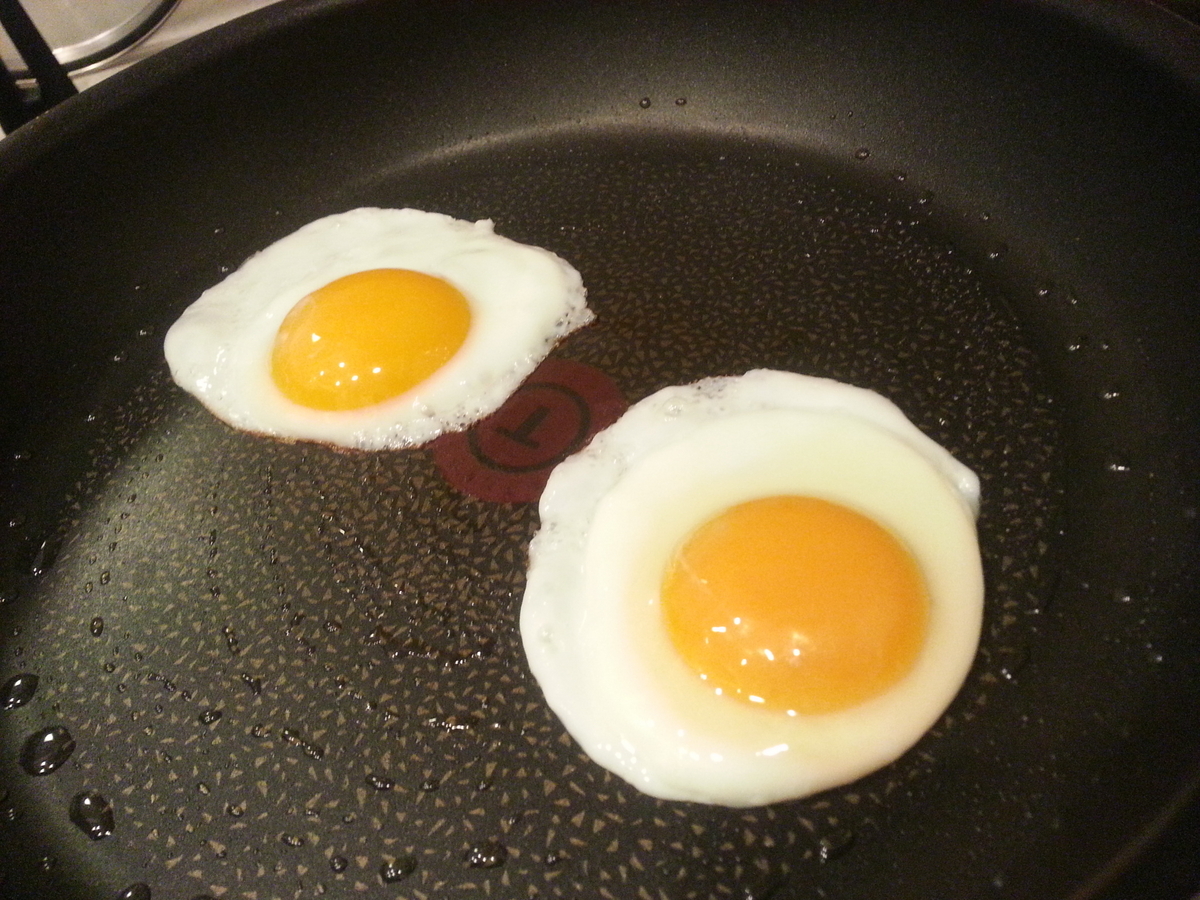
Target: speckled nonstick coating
[295, 671]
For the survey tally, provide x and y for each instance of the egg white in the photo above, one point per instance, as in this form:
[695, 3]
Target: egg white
[611, 518]
[523, 300]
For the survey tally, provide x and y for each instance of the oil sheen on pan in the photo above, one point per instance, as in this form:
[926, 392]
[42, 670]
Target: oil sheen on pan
[311, 658]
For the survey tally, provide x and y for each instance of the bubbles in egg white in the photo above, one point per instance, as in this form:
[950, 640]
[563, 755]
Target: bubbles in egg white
[613, 514]
[523, 300]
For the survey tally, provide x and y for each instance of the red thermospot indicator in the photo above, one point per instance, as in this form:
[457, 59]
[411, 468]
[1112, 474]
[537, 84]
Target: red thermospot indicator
[507, 457]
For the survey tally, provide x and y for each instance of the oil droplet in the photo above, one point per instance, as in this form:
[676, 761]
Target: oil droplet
[48, 863]
[167, 684]
[644, 103]
[1012, 661]
[291, 840]
[430, 784]
[339, 863]
[380, 783]
[18, 690]
[681, 101]
[835, 844]
[236, 811]
[291, 736]
[764, 892]
[1118, 465]
[862, 153]
[552, 859]
[488, 855]
[44, 557]
[1122, 596]
[139, 891]
[46, 750]
[397, 869]
[209, 716]
[255, 684]
[97, 626]
[93, 815]
[453, 723]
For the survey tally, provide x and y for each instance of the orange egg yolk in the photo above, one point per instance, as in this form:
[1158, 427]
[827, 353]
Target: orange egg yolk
[795, 604]
[368, 337]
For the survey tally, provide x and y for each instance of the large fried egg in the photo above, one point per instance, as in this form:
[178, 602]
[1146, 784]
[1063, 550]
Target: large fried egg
[375, 328]
[754, 588]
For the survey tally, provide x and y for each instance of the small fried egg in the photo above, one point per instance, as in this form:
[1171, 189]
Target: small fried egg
[374, 329]
[754, 588]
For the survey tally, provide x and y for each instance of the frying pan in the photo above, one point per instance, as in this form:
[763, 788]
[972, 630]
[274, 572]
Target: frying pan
[291, 671]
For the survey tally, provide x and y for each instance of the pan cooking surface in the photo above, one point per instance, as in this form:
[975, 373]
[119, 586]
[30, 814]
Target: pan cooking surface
[278, 660]
[292, 671]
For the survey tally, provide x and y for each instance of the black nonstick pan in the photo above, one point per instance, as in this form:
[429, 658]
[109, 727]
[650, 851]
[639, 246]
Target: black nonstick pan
[241, 668]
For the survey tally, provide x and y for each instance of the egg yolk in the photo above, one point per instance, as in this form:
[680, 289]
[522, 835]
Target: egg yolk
[368, 337]
[797, 604]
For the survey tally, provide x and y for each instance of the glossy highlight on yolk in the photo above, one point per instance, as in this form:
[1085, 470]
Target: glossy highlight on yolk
[796, 604]
[368, 337]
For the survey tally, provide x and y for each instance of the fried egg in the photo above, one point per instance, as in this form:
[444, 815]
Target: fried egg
[375, 328]
[754, 588]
